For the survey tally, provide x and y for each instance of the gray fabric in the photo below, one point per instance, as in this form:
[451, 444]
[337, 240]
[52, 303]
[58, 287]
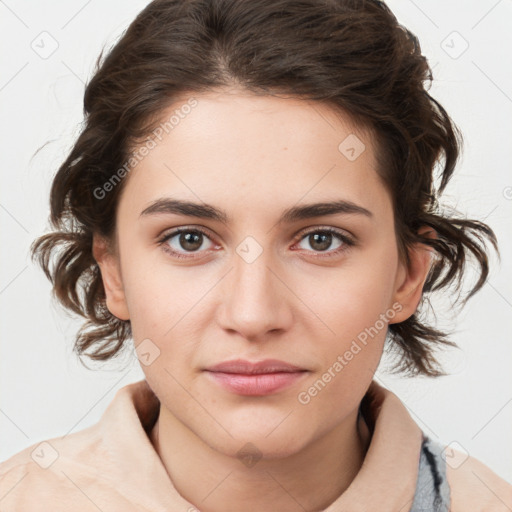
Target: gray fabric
[432, 490]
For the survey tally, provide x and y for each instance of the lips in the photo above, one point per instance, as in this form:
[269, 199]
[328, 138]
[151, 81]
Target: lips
[255, 379]
[243, 367]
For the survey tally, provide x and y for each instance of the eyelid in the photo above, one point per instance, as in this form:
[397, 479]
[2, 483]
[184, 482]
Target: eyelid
[312, 229]
[180, 229]
[170, 232]
[330, 229]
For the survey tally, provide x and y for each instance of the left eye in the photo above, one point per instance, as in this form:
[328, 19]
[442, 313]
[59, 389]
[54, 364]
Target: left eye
[321, 241]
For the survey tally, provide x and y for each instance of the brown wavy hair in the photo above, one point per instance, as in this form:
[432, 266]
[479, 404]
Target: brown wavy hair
[350, 54]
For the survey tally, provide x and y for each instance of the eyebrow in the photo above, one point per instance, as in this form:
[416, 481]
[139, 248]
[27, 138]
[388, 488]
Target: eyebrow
[295, 213]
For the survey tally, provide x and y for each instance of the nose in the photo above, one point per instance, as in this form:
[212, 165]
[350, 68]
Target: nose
[256, 300]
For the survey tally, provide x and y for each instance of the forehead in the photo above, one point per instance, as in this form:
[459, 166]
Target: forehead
[233, 146]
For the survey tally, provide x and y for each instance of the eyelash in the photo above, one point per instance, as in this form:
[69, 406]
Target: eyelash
[347, 241]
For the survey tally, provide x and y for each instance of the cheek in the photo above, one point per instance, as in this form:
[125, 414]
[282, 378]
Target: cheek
[354, 302]
[157, 294]
[352, 297]
[164, 304]
[350, 351]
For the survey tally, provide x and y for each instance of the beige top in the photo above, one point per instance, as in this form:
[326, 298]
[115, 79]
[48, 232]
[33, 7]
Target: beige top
[113, 466]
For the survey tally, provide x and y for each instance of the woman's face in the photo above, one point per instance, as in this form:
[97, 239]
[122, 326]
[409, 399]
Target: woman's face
[262, 279]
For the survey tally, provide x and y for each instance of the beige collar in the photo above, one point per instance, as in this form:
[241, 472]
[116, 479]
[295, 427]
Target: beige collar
[385, 482]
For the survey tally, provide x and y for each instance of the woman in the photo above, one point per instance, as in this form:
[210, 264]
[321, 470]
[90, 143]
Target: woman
[252, 200]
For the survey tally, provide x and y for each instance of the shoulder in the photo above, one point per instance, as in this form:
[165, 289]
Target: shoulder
[26, 487]
[33, 478]
[474, 486]
[94, 468]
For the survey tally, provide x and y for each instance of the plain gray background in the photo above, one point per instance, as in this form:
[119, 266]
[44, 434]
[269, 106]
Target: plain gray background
[49, 51]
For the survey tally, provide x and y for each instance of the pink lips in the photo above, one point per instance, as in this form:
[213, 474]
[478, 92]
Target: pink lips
[260, 378]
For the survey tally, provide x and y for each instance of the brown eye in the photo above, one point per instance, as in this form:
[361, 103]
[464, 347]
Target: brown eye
[181, 241]
[190, 241]
[322, 240]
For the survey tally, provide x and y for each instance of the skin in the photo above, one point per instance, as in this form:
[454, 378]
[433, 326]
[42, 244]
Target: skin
[254, 157]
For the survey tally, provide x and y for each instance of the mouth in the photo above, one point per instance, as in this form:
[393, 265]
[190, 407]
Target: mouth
[244, 367]
[255, 378]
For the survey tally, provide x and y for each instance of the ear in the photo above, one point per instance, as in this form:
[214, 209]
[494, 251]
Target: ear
[111, 276]
[410, 281]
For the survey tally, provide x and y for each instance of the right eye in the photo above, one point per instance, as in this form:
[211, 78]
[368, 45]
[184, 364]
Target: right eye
[182, 240]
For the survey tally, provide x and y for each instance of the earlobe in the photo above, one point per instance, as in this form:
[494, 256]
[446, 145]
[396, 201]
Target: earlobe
[111, 277]
[410, 280]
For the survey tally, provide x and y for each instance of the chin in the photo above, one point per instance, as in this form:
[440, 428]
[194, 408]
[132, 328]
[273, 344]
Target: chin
[251, 444]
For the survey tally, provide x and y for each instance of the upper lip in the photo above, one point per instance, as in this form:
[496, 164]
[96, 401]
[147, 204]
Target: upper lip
[242, 366]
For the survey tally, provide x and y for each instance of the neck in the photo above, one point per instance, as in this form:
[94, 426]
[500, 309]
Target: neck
[213, 481]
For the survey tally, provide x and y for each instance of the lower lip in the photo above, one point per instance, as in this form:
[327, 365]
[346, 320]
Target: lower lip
[254, 385]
